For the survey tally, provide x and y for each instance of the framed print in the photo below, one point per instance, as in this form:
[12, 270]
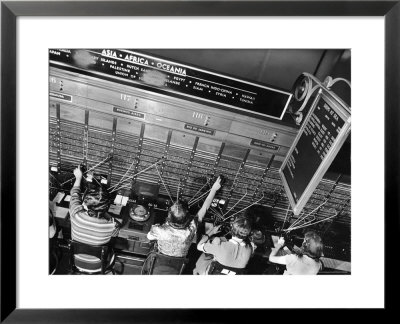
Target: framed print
[78, 59]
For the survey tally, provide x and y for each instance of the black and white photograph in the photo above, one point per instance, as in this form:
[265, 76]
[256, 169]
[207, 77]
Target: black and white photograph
[199, 161]
[165, 159]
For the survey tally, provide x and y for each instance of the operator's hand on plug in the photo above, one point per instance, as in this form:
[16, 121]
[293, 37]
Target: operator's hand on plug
[217, 184]
[214, 230]
[78, 173]
[281, 241]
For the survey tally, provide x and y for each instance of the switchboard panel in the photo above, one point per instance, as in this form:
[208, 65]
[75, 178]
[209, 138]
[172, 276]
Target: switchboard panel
[131, 134]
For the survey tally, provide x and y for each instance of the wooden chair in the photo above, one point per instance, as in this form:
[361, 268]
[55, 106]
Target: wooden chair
[157, 263]
[104, 253]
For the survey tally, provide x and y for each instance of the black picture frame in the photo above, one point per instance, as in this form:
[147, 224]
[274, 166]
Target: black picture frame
[11, 10]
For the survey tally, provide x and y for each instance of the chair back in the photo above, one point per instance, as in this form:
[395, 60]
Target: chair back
[157, 263]
[217, 268]
[100, 252]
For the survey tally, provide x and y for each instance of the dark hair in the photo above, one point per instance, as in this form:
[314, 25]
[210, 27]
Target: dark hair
[312, 245]
[259, 215]
[97, 201]
[178, 215]
[241, 227]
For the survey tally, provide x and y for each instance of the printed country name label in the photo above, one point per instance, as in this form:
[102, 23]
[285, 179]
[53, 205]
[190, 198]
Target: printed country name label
[128, 112]
[200, 129]
[263, 144]
[61, 96]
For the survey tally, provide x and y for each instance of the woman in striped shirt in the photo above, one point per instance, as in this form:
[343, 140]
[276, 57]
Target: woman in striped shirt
[90, 223]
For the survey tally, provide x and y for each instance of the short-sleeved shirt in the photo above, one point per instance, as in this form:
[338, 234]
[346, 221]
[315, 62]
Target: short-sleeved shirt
[173, 241]
[301, 265]
[232, 253]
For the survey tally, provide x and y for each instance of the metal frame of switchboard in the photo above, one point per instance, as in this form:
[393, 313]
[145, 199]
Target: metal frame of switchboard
[344, 111]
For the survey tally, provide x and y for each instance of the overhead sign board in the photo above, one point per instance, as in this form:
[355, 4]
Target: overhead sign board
[175, 79]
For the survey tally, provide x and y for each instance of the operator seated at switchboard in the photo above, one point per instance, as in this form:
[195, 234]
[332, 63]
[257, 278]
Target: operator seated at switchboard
[226, 256]
[304, 261]
[175, 236]
[90, 223]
